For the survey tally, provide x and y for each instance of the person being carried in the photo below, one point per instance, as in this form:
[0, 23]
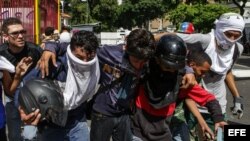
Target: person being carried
[222, 45]
[157, 94]
[201, 63]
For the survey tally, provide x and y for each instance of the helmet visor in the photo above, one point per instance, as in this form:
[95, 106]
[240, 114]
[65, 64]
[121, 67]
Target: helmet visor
[172, 62]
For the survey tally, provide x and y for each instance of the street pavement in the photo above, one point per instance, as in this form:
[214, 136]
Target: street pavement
[241, 71]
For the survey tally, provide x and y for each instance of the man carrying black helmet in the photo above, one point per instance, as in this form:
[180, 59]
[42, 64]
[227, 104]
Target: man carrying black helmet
[77, 75]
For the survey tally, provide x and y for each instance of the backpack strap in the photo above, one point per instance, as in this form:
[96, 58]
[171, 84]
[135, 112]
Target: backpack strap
[236, 53]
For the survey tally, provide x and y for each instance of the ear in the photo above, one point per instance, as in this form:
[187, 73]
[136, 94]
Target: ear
[5, 37]
[192, 64]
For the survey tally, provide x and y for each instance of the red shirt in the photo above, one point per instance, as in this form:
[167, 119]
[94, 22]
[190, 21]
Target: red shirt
[196, 93]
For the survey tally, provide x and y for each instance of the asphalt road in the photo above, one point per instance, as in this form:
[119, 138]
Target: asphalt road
[243, 85]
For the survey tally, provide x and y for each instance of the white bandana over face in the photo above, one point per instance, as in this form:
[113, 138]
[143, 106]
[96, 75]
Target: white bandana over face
[82, 80]
[226, 22]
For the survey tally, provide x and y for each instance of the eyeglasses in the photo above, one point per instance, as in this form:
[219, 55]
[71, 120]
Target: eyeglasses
[15, 34]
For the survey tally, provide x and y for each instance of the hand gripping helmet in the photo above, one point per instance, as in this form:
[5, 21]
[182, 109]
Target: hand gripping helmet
[171, 52]
[186, 27]
[45, 95]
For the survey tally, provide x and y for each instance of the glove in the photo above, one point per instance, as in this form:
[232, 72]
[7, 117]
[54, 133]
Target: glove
[238, 107]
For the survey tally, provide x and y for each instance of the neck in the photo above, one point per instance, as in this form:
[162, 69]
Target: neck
[15, 49]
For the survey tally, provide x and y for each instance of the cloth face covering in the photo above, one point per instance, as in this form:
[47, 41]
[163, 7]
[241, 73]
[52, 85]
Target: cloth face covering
[228, 21]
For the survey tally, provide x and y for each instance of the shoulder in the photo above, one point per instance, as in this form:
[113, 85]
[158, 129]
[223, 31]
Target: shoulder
[3, 46]
[203, 39]
[110, 54]
[110, 51]
[33, 46]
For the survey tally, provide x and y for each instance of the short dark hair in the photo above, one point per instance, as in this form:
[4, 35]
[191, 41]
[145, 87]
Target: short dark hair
[65, 28]
[10, 21]
[84, 39]
[140, 43]
[49, 31]
[199, 57]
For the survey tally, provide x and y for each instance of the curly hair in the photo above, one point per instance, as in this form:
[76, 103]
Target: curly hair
[84, 39]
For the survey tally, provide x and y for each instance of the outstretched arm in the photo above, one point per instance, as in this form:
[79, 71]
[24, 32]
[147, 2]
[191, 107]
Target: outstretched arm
[193, 108]
[50, 52]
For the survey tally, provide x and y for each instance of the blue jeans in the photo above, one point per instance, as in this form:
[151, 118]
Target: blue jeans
[180, 132]
[29, 132]
[14, 124]
[13, 121]
[79, 132]
[104, 127]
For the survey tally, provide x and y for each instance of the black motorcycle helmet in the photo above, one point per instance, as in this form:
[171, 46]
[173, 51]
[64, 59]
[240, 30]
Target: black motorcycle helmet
[45, 95]
[171, 52]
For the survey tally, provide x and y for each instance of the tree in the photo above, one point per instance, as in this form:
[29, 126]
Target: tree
[106, 12]
[202, 16]
[139, 12]
[78, 11]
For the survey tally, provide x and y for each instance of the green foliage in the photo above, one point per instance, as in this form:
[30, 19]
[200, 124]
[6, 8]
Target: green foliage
[139, 12]
[132, 13]
[202, 16]
[106, 12]
[78, 11]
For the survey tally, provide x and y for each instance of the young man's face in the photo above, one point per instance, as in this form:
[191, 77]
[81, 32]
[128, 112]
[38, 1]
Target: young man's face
[232, 35]
[137, 63]
[82, 54]
[15, 36]
[200, 70]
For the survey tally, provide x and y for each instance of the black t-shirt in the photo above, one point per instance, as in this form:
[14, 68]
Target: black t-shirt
[30, 49]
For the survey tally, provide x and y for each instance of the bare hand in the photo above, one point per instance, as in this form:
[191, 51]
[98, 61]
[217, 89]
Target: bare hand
[207, 132]
[188, 81]
[220, 124]
[43, 63]
[30, 119]
[23, 66]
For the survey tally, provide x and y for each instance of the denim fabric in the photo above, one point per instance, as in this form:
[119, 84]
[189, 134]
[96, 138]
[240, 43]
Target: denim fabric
[104, 127]
[180, 132]
[80, 132]
[29, 132]
[13, 122]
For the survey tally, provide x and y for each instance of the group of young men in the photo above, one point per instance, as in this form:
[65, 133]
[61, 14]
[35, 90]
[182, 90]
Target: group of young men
[134, 88]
